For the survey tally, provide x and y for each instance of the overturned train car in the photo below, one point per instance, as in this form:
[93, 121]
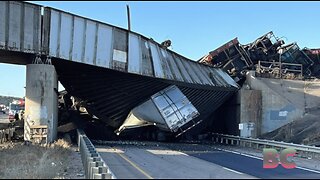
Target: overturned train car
[267, 54]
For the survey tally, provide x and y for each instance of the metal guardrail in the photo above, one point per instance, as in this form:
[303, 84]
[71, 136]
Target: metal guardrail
[94, 165]
[6, 134]
[256, 143]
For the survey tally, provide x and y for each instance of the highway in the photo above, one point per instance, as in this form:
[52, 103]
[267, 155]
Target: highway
[165, 160]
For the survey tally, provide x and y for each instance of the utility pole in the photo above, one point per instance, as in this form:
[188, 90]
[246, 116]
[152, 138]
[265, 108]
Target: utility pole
[128, 14]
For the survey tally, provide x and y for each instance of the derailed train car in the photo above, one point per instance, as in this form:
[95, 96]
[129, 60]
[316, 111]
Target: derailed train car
[128, 81]
[314, 55]
[267, 54]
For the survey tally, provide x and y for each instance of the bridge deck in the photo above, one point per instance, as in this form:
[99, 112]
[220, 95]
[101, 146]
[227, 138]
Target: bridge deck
[110, 68]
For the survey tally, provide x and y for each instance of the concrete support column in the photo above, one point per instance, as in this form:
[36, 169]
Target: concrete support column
[41, 102]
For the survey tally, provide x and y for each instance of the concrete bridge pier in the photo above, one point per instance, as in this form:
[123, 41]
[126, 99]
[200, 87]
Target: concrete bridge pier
[41, 103]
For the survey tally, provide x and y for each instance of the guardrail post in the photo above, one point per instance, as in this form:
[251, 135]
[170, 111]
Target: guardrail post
[102, 176]
[91, 158]
[92, 165]
[79, 142]
[98, 170]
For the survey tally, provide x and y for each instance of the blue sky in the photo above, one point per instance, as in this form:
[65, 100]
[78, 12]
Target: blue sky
[194, 28]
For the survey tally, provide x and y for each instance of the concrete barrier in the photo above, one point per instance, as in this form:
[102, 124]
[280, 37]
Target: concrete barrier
[95, 167]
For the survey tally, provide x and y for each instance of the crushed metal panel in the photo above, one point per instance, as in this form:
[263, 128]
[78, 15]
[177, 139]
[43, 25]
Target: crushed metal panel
[20, 26]
[104, 45]
[182, 69]
[54, 33]
[174, 68]
[90, 45]
[120, 49]
[292, 54]
[32, 28]
[78, 39]
[3, 25]
[147, 68]
[208, 73]
[314, 55]
[224, 47]
[15, 21]
[203, 75]
[216, 77]
[227, 78]
[134, 62]
[219, 74]
[65, 33]
[186, 67]
[189, 68]
[158, 71]
[165, 65]
[230, 56]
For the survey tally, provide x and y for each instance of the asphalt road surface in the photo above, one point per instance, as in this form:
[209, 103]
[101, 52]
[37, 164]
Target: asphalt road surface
[163, 160]
[156, 162]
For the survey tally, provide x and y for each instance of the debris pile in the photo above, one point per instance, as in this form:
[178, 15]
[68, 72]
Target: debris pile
[268, 55]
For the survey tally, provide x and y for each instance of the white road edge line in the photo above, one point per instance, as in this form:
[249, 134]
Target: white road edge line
[302, 168]
[311, 170]
[232, 170]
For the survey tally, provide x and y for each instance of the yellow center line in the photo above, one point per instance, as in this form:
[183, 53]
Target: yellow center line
[135, 166]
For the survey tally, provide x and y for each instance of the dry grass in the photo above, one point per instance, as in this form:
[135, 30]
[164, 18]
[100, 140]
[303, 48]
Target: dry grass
[34, 162]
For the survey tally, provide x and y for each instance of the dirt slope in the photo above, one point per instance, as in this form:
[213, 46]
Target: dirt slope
[305, 130]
